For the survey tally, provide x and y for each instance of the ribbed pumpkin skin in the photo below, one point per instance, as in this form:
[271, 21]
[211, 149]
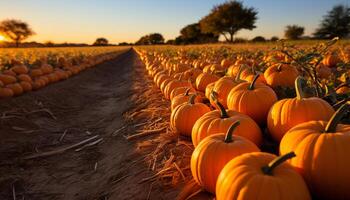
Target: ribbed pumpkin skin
[20, 69]
[27, 86]
[180, 91]
[212, 123]
[287, 113]
[182, 98]
[185, 115]
[24, 77]
[209, 89]
[204, 79]
[7, 79]
[331, 60]
[222, 87]
[173, 85]
[281, 75]
[212, 154]
[243, 179]
[255, 103]
[322, 158]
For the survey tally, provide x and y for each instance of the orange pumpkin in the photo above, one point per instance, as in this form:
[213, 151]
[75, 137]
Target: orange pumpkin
[180, 90]
[192, 74]
[260, 175]
[323, 71]
[253, 99]
[27, 86]
[209, 90]
[5, 92]
[183, 98]
[331, 60]
[212, 153]
[204, 79]
[282, 75]
[35, 72]
[164, 84]
[218, 121]
[287, 113]
[322, 148]
[185, 115]
[16, 88]
[7, 79]
[46, 68]
[173, 85]
[20, 69]
[9, 72]
[24, 77]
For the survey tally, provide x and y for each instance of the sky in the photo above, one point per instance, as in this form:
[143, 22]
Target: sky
[82, 21]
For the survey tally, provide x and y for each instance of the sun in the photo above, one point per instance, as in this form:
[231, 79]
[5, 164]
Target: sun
[2, 38]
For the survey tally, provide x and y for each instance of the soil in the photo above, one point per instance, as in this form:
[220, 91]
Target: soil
[65, 113]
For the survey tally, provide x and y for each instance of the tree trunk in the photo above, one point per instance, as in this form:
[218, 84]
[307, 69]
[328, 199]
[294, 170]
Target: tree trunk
[17, 43]
[231, 37]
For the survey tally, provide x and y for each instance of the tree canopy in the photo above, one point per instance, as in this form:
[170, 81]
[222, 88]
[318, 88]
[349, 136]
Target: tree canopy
[101, 42]
[335, 24]
[192, 34]
[228, 18]
[153, 38]
[293, 32]
[15, 30]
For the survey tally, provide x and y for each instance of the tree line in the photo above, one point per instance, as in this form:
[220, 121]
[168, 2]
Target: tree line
[224, 20]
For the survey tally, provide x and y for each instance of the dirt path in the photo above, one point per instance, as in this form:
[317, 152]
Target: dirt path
[84, 106]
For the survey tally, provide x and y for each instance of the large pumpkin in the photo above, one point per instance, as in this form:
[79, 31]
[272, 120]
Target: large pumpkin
[287, 113]
[323, 149]
[260, 176]
[181, 90]
[211, 155]
[219, 121]
[185, 115]
[282, 75]
[173, 85]
[184, 98]
[253, 99]
[204, 79]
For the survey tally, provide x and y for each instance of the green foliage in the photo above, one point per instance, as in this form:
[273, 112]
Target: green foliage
[335, 24]
[153, 38]
[192, 34]
[259, 39]
[228, 18]
[15, 30]
[293, 32]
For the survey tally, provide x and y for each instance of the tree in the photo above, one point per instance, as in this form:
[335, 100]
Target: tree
[100, 42]
[15, 30]
[228, 18]
[293, 32]
[192, 34]
[153, 38]
[274, 38]
[335, 24]
[259, 39]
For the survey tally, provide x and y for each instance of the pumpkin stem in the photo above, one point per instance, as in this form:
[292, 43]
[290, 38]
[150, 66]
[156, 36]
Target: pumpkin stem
[252, 84]
[222, 109]
[192, 98]
[187, 91]
[238, 75]
[228, 136]
[300, 82]
[279, 68]
[337, 116]
[267, 170]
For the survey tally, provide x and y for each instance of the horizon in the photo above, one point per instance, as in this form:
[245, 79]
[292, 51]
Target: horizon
[84, 21]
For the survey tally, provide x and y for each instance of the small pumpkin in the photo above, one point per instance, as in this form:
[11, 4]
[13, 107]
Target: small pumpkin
[219, 121]
[282, 75]
[5, 92]
[185, 115]
[16, 88]
[253, 99]
[24, 77]
[212, 153]
[204, 79]
[20, 69]
[331, 60]
[35, 72]
[184, 98]
[290, 112]
[180, 90]
[322, 148]
[173, 85]
[7, 79]
[27, 86]
[260, 175]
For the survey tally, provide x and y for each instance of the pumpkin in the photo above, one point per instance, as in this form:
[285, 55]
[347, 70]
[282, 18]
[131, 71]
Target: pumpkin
[322, 148]
[253, 99]
[204, 79]
[282, 75]
[261, 176]
[24, 77]
[173, 85]
[225, 63]
[223, 86]
[331, 60]
[185, 115]
[6, 92]
[20, 69]
[290, 112]
[164, 84]
[9, 72]
[209, 90]
[16, 88]
[46, 68]
[35, 72]
[323, 71]
[7, 79]
[27, 86]
[192, 74]
[219, 121]
[212, 153]
[183, 98]
[180, 90]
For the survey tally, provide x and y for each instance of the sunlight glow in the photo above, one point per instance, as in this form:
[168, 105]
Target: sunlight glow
[2, 38]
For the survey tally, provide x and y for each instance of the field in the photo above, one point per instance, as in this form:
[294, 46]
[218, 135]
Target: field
[150, 122]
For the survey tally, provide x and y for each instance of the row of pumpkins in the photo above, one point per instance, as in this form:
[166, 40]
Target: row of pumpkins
[226, 134]
[20, 79]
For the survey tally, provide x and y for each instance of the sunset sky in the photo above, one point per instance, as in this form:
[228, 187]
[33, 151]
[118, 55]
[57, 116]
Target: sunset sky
[127, 20]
